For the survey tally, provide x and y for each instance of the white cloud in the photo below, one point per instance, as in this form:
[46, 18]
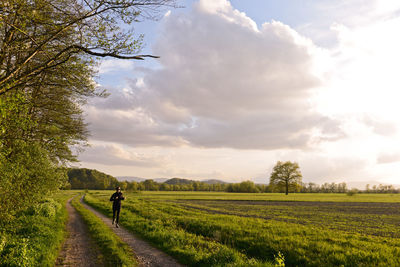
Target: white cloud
[223, 83]
[388, 158]
[112, 65]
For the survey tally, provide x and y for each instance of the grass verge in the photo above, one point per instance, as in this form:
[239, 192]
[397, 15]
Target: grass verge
[34, 237]
[115, 252]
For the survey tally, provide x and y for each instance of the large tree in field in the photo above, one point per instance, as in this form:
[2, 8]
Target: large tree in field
[286, 175]
[48, 54]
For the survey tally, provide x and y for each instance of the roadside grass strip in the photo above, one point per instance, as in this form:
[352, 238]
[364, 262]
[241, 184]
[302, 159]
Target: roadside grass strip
[115, 252]
[189, 248]
[35, 236]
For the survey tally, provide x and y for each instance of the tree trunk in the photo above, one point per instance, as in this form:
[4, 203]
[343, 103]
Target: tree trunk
[287, 188]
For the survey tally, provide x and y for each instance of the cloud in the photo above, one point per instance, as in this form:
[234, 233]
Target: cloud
[223, 83]
[132, 127]
[381, 126]
[384, 158]
[111, 154]
[114, 65]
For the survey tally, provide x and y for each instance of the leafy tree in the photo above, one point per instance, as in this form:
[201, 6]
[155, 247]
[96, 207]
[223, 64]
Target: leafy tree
[26, 170]
[123, 185]
[41, 35]
[132, 186]
[286, 175]
[243, 187]
[48, 53]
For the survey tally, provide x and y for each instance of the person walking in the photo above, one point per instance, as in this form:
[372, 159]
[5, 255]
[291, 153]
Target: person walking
[116, 197]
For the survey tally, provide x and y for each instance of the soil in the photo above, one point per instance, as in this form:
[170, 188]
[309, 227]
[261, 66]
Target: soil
[78, 250]
[146, 254]
[379, 208]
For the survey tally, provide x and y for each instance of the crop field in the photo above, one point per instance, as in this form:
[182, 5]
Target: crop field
[219, 229]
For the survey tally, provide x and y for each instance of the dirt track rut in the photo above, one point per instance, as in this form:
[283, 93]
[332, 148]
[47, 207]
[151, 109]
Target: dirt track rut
[78, 249]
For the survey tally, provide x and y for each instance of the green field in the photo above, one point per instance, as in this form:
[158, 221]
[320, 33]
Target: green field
[219, 229]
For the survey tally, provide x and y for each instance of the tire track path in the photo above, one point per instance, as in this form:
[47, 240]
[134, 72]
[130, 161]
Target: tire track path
[78, 249]
[147, 255]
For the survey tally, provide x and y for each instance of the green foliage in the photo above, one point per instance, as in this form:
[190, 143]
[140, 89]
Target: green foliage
[115, 252]
[26, 170]
[286, 176]
[243, 187]
[46, 208]
[279, 260]
[91, 179]
[352, 192]
[173, 181]
[35, 235]
[45, 77]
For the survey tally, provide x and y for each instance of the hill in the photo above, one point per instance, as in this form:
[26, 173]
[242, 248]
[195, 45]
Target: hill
[82, 178]
[131, 179]
[214, 181]
[173, 181]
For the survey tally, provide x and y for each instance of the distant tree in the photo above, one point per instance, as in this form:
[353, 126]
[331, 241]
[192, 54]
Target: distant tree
[367, 188]
[150, 185]
[123, 185]
[286, 175]
[243, 187]
[342, 187]
[165, 187]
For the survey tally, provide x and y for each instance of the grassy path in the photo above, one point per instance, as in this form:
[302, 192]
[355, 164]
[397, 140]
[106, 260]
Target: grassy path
[147, 255]
[78, 249]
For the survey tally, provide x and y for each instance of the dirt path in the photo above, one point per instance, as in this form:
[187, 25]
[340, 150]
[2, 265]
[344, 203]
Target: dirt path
[78, 249]
[147, 255]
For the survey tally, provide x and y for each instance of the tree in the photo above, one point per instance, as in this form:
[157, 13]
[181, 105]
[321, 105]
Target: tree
[286, 175]
[40, 35]
[48, 53]
[26, 170]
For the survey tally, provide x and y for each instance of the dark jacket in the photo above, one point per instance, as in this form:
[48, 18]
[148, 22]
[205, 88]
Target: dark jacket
[117, 201]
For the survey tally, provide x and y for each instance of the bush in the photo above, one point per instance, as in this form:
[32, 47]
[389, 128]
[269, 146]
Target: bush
[35, 235]
[352, 192]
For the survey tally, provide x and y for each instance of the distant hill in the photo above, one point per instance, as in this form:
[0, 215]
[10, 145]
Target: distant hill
[188, 181]
[214, 181]
[130, 178]
[81, 178]
[160, 180]
[178, 181]
[140, 179]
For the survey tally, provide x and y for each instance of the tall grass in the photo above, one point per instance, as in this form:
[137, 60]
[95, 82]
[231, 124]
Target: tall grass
[35, 236]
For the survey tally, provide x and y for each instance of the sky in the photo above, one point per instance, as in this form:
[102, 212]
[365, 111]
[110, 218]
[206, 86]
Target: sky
[242, 84]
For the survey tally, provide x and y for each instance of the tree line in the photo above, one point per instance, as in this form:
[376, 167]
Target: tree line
[95, 180]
